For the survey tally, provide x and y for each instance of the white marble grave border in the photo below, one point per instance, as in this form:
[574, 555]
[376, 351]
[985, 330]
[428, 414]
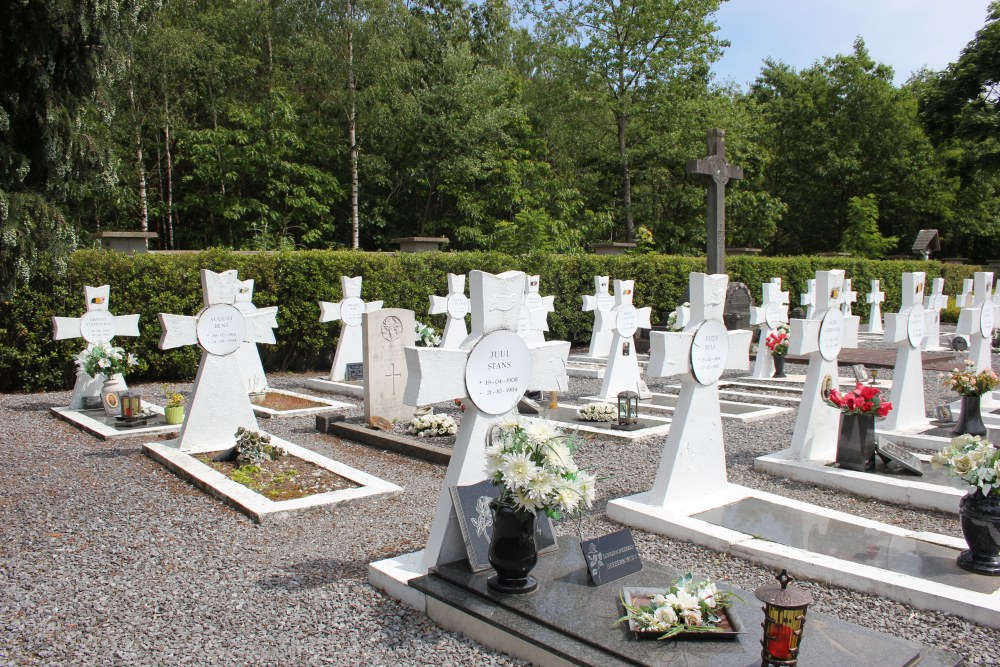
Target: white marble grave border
[254, 505]
[915, 436]
[327, 405]
[340, 387]
[661, 428]
[756, 412]
[99, 429]
[585, 370]
[677, 523]
[908, 491]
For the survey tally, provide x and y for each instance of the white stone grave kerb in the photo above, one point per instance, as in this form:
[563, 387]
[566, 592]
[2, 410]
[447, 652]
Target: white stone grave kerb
[600, 302]
[693, 457]
[534, 315]
[219, 401]
[875, 299]
[976, 321]
[623, 320]
[96, 326]
[769, 315]
[906, 330]
[490, 372]
[934, 302]
[456, 306]
[349, 311]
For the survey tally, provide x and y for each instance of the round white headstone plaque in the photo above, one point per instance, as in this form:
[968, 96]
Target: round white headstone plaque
[605, 302]
[831, 334]
[458, 306]
[986, 319]
[773, 315]
[709, 351]
[221, 329]
[97, 326]
[351, 310]
[626, 322]
[498, 372]
[915, 322]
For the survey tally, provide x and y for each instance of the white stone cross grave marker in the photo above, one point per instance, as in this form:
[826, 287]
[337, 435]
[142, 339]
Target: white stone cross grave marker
[349, 311]
[976, 321]
[96, 326]
[875, 299]
[906, 330]
[490, 373]
[624, 320]
[248, 355]
[818, 424]
[600, 302]
[693, 461]
[964, 299]
[852, 323]
[808, 299]
[772, 312]
[219, 401]
[934, 302]
[456, 306]
[534, 313]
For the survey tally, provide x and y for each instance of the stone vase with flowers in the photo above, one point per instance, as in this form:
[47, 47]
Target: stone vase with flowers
[777, 343]
[970, 386]
[858, 411]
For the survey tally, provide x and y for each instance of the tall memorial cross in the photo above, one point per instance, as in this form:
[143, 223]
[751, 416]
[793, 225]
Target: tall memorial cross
[852, 323]
[219, 401]
[535, 309]
[717, 172]
[694, 458]
[875, 299]
[808, 298]
[456, 306]
[349, 311]
[248, 354]
[822, 337]
[600, 302]
[906, 330]
[848, 297]
[964, 298]
[96, 326]
[769, 315]
[489, 373]
[976, 321]
[623, 320]
[933, 303]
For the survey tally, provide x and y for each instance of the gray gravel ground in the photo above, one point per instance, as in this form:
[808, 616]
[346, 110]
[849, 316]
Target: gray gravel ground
[109, 559]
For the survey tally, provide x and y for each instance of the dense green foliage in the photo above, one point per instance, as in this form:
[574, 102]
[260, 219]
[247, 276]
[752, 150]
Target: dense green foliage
[296, 281]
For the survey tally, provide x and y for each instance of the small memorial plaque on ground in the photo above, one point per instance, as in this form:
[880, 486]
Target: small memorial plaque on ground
[611, 557]
[860, 373]
[355, 372]
[943, 414]
[890, 451]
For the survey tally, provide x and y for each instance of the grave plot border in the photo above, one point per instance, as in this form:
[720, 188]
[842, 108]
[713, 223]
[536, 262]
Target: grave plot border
[270, 413]
[341, 387]
[100, 430]
[661, 429]
[759, 412]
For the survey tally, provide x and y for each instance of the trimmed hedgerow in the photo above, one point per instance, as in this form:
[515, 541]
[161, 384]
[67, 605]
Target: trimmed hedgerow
[152, 283]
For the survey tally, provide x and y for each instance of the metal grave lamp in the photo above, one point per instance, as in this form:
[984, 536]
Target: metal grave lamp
[131, 402]
[784, 616]
[628, 411]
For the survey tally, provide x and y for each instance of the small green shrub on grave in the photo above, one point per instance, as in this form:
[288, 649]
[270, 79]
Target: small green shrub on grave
[246, 475]
[152, 283]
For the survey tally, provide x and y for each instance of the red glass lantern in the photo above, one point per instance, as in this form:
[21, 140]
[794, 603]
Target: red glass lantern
[784, 616]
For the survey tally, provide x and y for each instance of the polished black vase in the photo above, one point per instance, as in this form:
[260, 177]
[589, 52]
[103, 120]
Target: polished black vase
[970, 419]
[856, 444]
[779, 366]
[513, 553]
[981, 527]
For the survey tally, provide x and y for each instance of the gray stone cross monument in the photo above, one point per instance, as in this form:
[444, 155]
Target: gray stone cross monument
[718, 173]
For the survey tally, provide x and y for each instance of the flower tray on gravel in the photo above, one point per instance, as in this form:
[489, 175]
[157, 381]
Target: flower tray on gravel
[287, 478]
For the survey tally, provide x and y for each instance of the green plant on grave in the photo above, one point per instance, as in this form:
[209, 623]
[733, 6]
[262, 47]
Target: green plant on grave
[245, 475]
[174, 398]
[254, 447]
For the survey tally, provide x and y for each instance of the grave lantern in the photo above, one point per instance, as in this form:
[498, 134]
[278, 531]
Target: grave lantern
[784, 616]
[628, 410]
[131, 403]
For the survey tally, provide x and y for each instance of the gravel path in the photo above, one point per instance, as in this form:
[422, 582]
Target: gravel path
[109, 559]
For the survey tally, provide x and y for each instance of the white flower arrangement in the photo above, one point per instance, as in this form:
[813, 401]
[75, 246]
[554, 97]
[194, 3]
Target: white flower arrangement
[106, 359]
[427, 335]
[598, 412]
[531, 463]
[431, 425]
[687, 606]
[973, 460]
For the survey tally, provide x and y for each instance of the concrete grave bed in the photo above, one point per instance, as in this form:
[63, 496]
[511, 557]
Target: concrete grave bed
[731, 410]
[565, 416]
[318, 404]
[99, 425]
[341, 387]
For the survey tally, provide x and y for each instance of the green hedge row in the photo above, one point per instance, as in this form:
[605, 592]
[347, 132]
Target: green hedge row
[296, 281]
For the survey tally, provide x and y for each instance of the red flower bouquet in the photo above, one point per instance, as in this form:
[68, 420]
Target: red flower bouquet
[777, 342]
[864, 400]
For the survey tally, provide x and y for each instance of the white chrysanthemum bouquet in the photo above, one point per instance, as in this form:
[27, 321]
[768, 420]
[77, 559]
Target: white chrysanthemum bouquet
[431, 425]
[974, 460]
[107, 360]
[598, 412]
[531, 463]
[687, 606]
[427, 335]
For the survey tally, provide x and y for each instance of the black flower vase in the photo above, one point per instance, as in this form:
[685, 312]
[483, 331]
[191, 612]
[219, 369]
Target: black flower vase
[970, 419]
[980, 516]
[856, 444]
[779, 366]
[512, 550]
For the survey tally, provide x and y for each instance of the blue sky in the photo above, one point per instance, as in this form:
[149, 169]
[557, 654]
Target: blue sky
[905, 34]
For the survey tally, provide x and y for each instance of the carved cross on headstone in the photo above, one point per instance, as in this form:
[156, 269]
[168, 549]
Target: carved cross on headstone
[456, 305]
[808, 298]
[600, 302]
[489, 373]
[96, 326]
[976, 322]
[933, 303]
[875, 299]
[349, 311]
[717, 173]
[906, 330]
[535, 311]
[624, 320]
[772, 312]
[694, 457]
[219, 401]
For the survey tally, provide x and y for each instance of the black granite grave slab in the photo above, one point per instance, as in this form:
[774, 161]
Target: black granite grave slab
[847, 541]
[574, 621]
[932, 475]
